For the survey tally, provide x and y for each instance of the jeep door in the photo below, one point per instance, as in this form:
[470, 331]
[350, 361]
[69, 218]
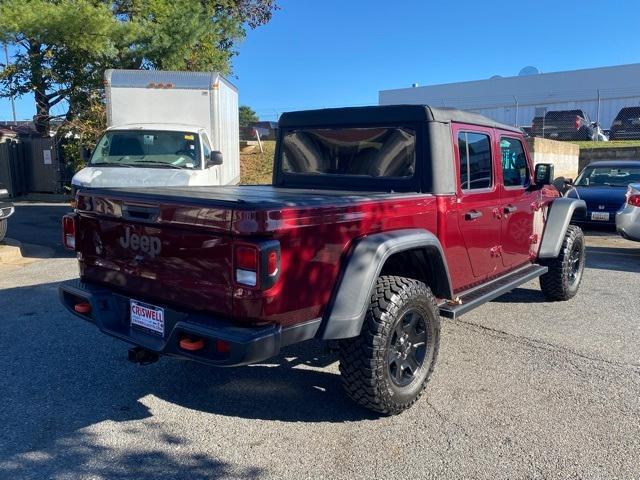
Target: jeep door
[517, 200]
[478, 198]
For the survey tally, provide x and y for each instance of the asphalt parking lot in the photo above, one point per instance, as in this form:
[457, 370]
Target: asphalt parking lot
[522, 389]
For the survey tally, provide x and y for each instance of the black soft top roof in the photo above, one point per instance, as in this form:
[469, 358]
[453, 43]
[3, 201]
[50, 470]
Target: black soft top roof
[386, 114]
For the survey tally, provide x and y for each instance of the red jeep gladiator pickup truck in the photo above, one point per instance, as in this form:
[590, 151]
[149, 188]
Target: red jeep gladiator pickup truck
[379, 221]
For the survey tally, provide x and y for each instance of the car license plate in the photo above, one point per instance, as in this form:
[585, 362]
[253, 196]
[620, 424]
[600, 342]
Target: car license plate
[147, 316]
[601, 216]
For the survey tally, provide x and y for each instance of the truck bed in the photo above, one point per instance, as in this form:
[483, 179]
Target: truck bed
[245, 197]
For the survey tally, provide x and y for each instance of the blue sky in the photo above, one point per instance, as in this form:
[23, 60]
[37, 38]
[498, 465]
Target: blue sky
[333, 53]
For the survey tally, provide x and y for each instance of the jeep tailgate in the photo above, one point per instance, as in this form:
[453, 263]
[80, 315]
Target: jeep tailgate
[154, 252]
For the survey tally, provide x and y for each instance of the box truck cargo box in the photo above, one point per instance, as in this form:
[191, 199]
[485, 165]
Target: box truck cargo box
[166, 129]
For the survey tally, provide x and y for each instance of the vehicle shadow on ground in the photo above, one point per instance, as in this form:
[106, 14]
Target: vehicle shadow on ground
[614, 258]
[62, 377]
[598, 258]
[522, 295]
[289, 388]
[37, 226]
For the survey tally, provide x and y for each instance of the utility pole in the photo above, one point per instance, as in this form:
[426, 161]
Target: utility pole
[13, 103]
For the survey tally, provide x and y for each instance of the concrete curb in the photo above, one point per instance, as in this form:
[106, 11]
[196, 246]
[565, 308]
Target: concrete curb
[10, 251]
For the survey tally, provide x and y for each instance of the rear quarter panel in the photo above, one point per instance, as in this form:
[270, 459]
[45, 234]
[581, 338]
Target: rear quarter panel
[313, 243]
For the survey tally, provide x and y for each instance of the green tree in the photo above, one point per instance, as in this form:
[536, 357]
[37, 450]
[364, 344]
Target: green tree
[63, 46]
[247, 115]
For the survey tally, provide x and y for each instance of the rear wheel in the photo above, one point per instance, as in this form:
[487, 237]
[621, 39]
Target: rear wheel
[3, 229]
[562, 280]
[386, 368]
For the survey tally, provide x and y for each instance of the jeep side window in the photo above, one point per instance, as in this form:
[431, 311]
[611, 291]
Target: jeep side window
[476, 170]
[515, 171]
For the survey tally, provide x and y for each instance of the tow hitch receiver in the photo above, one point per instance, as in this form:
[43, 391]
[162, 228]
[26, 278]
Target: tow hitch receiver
[142, 356]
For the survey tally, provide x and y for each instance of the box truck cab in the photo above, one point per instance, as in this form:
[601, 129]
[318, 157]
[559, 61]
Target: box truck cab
[165, 129]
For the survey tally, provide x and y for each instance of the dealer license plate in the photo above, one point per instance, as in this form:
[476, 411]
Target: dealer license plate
[147, 316]
[602, 216]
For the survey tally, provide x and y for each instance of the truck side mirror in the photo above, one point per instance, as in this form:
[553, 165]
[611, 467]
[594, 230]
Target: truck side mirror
[543, 174]
[85, 153]
[214, 158]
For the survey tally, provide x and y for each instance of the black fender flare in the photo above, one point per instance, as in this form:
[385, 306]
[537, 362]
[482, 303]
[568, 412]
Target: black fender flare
[560, 212]
[361, 268]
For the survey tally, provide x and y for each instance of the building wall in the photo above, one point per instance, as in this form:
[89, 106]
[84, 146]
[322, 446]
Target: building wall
[564, 156]
[601, 92]
[596, 154]
[603, 112]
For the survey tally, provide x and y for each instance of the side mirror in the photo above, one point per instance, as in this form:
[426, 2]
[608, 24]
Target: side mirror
[568, 181]
[85, 153]
[214, 158]
[543, 174]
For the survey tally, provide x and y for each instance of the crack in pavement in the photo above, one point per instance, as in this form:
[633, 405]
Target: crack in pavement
[446, 421]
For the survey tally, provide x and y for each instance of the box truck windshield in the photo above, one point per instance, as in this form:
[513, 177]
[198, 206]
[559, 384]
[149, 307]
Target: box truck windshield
[145, 148]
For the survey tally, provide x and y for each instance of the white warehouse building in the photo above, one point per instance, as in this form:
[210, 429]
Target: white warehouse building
[600, 92]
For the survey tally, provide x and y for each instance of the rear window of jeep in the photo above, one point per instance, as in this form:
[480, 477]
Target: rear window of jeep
[378, 152]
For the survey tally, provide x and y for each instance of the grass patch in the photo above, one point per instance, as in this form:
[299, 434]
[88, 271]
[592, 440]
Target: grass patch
[255, 167]
[612, 144]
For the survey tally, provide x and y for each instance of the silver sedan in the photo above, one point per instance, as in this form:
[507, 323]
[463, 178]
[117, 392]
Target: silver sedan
[628, 217]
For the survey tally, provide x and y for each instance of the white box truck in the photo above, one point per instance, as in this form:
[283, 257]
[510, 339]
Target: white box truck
[166, 129]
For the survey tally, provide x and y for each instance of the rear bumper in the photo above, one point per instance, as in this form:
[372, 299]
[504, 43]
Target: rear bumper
[628, 222]
[243, 345]
[588, 222]
[6, 210]
[625, 134]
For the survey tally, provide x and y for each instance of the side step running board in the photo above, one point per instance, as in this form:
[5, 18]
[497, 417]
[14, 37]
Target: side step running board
[485, 293]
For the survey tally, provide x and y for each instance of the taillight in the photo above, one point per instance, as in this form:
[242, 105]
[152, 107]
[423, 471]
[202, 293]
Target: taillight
[272, 263]
[577, 123]
[634, 200]
[69, 232]
[246, 265]
[257, 265]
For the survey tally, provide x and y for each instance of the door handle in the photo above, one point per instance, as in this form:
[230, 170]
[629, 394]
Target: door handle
[472, 215]
[510, 209]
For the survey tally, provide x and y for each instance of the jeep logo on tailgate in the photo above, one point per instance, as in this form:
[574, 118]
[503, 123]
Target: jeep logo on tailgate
[145, 243]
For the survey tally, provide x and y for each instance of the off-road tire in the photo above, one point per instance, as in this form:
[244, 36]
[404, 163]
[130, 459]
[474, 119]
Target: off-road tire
[365, 360]
[3, 229]
[562, 281]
